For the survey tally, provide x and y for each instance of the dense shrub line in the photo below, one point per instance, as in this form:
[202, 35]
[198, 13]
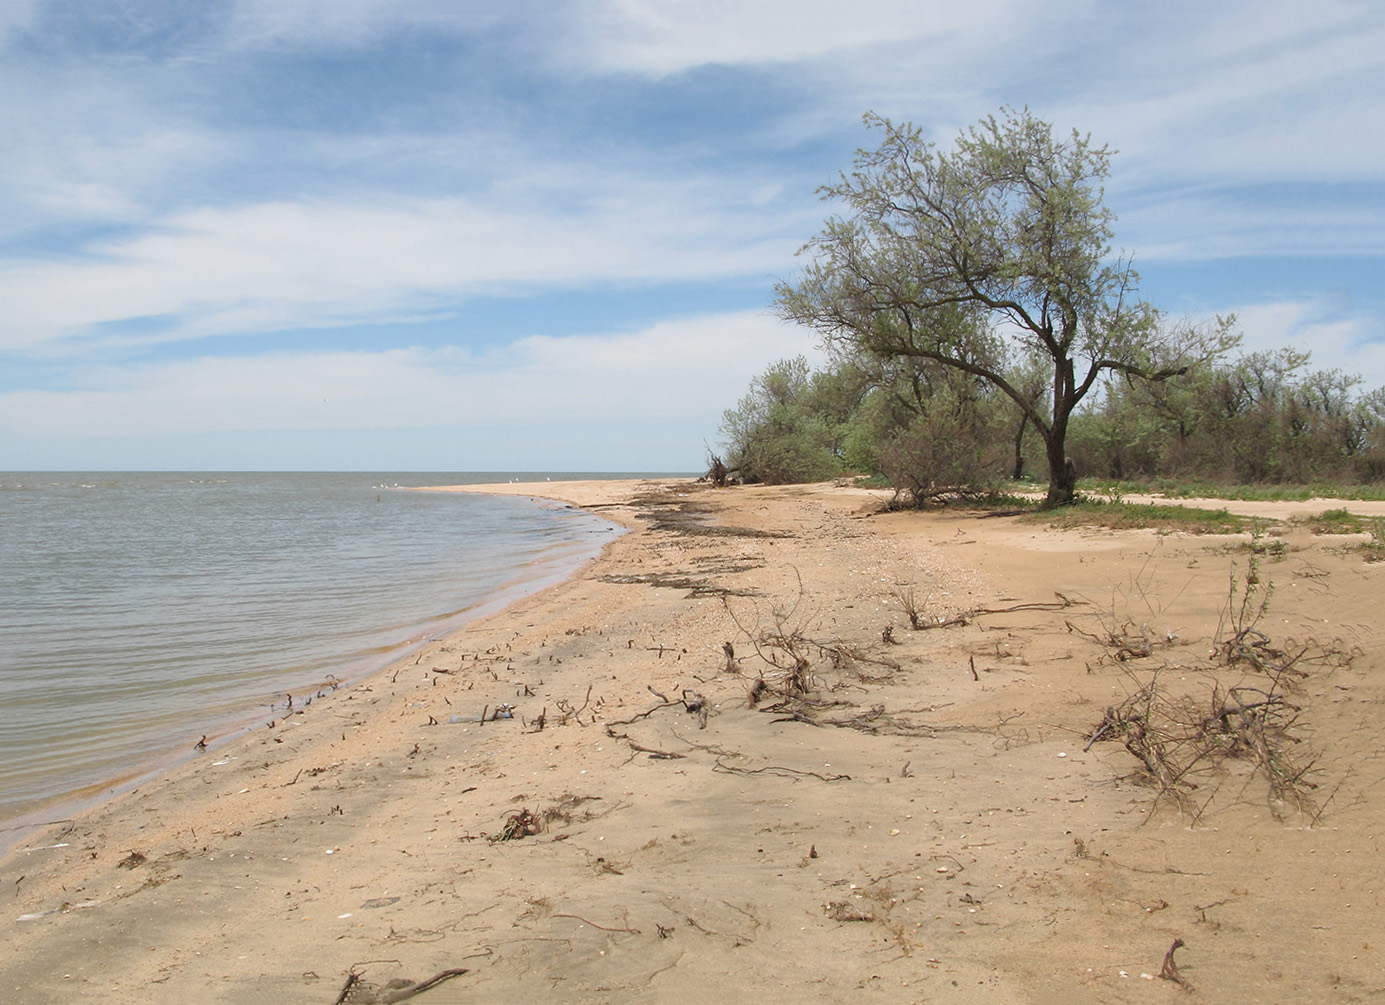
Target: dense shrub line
[1263, 418]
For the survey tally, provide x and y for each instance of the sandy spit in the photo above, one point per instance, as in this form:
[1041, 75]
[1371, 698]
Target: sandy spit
[846, 808]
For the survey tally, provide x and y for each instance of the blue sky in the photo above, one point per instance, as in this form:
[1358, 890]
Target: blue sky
[544, 234]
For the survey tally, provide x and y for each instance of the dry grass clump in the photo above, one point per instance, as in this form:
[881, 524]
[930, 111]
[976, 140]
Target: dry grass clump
[526, 823]
[1183, 743]
[1187, 739]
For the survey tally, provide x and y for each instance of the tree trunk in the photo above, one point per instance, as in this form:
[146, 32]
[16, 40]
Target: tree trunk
[1019, 448]
[1062, 475]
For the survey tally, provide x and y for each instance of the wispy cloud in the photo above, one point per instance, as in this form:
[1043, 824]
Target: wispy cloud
[178, 176]
[1336, 341]
[261, 268]
[538, 395]
[659, 37]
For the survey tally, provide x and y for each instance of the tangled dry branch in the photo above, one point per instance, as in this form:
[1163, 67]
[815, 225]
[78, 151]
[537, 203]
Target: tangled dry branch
[1243, 713]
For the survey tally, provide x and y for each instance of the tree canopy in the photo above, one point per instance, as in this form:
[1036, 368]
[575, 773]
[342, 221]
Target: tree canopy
[990, 258]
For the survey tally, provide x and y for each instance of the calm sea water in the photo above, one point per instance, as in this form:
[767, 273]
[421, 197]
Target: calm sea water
[140, 611]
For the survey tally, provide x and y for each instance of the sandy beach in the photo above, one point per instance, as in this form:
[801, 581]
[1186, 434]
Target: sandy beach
[992, 804]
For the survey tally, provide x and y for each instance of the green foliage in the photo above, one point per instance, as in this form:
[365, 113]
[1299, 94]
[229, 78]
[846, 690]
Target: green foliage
[1263, 542]
[929, 430]
[791, 426]
[947, 447]
[982, 260]
[1263, 419]
[979, 322]
[1196, 488]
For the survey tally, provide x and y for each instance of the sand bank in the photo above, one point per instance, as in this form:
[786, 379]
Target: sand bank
[911, 815]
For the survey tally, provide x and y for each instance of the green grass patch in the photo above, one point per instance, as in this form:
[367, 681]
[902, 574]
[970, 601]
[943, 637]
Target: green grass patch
[1193, 489]
[1374, 549]
[1136, 516]
[873, 482]
[1334, 521]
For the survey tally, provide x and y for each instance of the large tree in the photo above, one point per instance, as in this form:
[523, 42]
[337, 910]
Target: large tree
[984, 257]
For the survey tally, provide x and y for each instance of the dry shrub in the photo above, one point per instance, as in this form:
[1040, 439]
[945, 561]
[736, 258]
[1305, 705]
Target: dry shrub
[799, 663]
[1184, 740]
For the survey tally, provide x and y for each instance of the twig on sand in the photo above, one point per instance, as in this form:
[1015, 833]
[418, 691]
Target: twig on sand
[776, 769]
[639, 748]
[696, 704]
[639, 715]
[604, 928]
[1170, 968]
[966, 617]
[356, 992]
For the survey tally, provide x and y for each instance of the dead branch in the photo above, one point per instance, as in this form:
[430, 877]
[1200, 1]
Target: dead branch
[960, 619]
[638, 748]
[697, 705]
[641, 715]
[604, 928]
[359, 993]
[1175, 739]
[842, 910]
[1062, 603]
[352, 979]
[908, 603]
[1169, 971]
[1125, 641]
[775, 769]
[873, 720]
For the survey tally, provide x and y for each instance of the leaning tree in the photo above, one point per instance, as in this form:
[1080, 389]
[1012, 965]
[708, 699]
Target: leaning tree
[983, 258]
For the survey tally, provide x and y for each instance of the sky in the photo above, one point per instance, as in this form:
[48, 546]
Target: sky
[544, 235]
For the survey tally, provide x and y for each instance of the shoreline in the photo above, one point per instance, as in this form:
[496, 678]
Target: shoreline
[233, 726]
[925, 819]
[72, 806]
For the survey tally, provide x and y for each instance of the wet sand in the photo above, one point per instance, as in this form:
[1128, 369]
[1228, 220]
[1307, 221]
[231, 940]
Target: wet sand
[912, 819]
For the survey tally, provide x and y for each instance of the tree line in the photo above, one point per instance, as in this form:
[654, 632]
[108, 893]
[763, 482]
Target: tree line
[979, 325]
[1259, 418]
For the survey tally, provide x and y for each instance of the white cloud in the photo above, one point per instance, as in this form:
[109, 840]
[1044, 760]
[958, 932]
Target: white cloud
[1195, 94]
[1336, 342]
[353, 22]
[86, 146]
[273, 266]
[1277, 92]
[662, 37]
[530, 400]
[1229, 118]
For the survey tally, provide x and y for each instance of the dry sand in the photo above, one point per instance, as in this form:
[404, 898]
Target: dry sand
[923, 825]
